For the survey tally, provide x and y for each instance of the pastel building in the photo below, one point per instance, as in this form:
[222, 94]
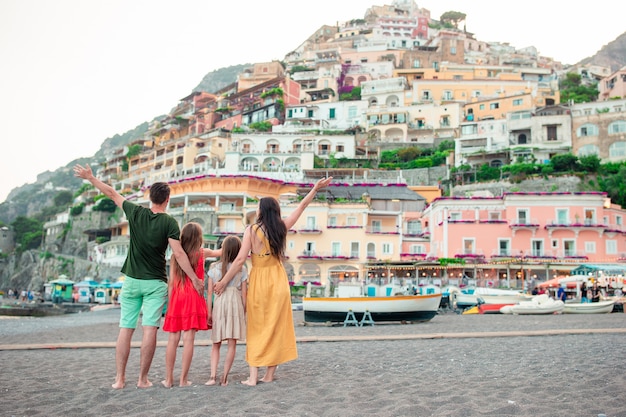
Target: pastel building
[525, 236]
[599, 128]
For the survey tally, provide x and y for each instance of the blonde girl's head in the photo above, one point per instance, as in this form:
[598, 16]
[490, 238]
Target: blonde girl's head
[230, 250]
[191, 240]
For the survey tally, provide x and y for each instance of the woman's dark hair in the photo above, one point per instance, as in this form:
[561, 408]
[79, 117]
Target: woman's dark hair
[271, 222]
[159, 192]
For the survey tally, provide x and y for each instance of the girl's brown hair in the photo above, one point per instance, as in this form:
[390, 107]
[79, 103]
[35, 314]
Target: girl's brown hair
[191, 240]
[230, 250]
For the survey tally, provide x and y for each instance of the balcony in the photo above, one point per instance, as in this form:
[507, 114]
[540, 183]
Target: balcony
[311, 230]
[344, 226]
[219, 231]
[375, 230]
[576, 227]
[310, 254]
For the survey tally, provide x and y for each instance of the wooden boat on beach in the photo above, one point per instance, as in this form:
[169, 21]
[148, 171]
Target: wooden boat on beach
[469, 297]
[392, 307]
[540, 304]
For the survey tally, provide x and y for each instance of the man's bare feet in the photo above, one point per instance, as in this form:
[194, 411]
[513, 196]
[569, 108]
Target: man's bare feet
[185, 383]
[248, 383]
[266, 380]
[224, 381]
[118, 384]
[166, 383]
[211, 381]
[144, 384]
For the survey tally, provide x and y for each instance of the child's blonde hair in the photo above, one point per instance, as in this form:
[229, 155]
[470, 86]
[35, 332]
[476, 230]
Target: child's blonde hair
[230, 249]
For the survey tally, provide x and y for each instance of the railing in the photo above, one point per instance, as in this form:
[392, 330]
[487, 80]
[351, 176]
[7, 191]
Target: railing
[524, 222]
[382, 230]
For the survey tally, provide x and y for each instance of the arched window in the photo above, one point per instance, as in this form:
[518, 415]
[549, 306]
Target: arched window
[618, 126]
[587, 129]
[588, 150]
[617, 150]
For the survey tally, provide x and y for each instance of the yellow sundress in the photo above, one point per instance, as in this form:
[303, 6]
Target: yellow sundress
[270, 336]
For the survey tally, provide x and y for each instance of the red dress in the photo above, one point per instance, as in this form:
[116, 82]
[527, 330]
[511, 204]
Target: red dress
[186, 309]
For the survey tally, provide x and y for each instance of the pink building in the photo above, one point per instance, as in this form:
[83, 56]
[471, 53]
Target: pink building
[524, 236]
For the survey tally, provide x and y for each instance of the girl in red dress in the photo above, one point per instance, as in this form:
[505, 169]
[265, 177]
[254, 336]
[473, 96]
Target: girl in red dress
[186, 308]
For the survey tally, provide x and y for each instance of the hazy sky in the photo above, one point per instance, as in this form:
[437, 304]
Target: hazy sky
[74, 72]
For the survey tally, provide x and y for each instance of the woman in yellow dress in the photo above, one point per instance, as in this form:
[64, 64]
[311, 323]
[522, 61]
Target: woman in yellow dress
[270, 336]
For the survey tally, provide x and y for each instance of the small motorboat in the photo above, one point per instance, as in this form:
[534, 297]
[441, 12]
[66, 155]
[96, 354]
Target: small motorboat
[601, 307]
[539, 304]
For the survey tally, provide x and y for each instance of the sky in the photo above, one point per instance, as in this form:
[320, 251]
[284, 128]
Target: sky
[75, 72]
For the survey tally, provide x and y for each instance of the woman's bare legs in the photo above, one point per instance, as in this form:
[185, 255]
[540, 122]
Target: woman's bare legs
[215, 360]
[170, 359]
[188, 339]
[228, 362]
[252, 379]
[269, 373]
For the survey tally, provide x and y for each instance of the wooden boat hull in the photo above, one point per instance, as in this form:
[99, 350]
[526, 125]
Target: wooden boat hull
[414, 308]
[601, 307]
[527, 308]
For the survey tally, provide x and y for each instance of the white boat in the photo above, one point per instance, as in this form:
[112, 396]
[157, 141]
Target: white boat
[539, 304]
[393, 307]
[470, 297]
[601, 307]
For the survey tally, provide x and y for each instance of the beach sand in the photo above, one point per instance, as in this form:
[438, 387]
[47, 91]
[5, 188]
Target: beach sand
[453, 365]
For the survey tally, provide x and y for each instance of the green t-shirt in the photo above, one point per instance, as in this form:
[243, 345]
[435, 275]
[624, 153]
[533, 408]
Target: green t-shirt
[149, 234]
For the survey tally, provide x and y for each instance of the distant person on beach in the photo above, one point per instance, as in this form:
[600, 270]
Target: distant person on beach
[228, 312]
[270, 335]
[583, 293]
[595, 292]
[145, 285]
[186, 308]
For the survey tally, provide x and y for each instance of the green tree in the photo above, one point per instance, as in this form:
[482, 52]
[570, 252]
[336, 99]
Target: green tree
[453, 18]
[589, 163]
[573, 89]
[564, 162]
[105, 204]
[28, 232]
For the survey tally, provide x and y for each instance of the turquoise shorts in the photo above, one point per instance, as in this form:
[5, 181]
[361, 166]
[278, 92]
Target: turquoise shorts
[145, 296]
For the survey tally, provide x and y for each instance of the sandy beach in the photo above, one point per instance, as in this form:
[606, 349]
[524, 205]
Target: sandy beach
[453, 365]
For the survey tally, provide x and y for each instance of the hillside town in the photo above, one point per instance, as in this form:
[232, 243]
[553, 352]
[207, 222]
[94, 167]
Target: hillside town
[396, 79]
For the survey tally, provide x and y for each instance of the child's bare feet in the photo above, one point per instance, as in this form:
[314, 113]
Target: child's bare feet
[144, 384]
[118, 384]
[166, 383]
[211, 381]
[184, 383]
[224, 381]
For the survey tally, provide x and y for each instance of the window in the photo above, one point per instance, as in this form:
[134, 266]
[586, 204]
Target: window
[336, 249]
[468, 246]
[618, 220]
[481, 107]
[590, 216]
[611, 247]
[562, 216]
[413, 227]
[618, 126]
[340, 148]
[416, 249]
[310, 223]
[416, 63]
[504, 247]
[588, 150]
[537, 247]
[447, 95]
[522, 216]
[352, 112]
[310, 114]
[426, 95]
[555, 243]
[455, 215]
[445, 121]
[518, 102]
[569, 247]
[371, 250]
[453, 50]
[494, 215]
[387, 248]
[332, 221]
[376, 226]
[551, 131]
[310, 248]
[351, 221]
[331, 113]
[590, 247]
[494, 106]
[617, 150]
[587, 130]
[354, 249]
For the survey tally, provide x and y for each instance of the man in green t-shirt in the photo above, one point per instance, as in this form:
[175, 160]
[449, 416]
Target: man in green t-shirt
[145, 286]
